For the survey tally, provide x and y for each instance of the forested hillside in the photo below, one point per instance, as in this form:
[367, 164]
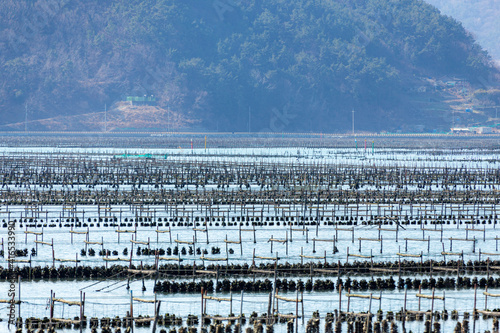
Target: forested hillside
[233, 65]
[481, 17]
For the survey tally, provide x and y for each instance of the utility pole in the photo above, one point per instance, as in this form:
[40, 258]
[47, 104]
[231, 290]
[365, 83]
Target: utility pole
[453, 121]
[26, 118]
[352, 122]
[105, 118]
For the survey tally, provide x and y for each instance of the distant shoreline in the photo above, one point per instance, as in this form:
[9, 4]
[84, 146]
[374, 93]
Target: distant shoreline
[196, 140]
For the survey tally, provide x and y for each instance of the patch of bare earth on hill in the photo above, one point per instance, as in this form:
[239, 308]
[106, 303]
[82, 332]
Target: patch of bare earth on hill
[122, 116]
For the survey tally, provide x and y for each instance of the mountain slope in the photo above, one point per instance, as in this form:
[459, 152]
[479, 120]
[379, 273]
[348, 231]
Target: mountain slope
[237, 65]
[478, 16]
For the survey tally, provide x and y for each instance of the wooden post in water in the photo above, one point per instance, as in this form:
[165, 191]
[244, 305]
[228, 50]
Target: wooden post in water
[254, 238]
[286, 242]
[302, 301]
[432, 306]
[404, 306]
[475, 309]
[419, 291]
[241, 307]
[271, 300]
[19, 295]
[51, 304]
[226, 246]
[348, 300]
[131, 309]
[81, 310]
[340, 299]
[202, 310]
[231, 303]
[157, 311]
[53, 255]
[297, 312]
[241, 243]
[486, 298]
